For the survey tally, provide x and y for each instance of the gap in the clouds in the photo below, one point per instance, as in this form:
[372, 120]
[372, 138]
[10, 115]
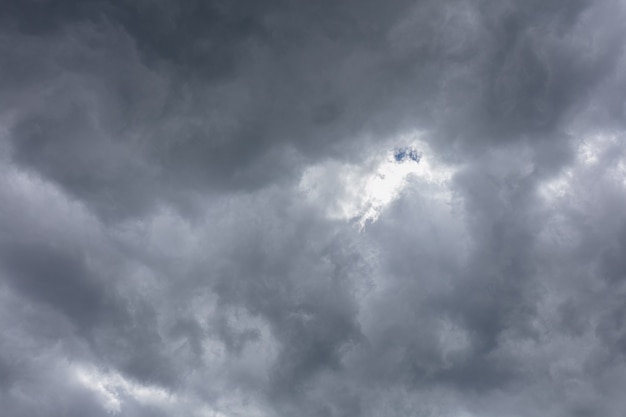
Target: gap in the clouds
[403, 154]
[359, 193]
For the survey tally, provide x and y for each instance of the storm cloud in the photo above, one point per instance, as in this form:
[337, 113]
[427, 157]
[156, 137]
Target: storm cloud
[313, 208]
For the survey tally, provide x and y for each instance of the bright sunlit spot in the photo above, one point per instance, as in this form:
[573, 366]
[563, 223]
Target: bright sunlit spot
[360, 193]
[383, 187]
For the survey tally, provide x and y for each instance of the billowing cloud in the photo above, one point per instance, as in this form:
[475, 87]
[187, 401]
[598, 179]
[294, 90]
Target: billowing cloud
[353, 208]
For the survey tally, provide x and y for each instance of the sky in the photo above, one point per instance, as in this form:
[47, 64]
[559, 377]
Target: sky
[343, 208]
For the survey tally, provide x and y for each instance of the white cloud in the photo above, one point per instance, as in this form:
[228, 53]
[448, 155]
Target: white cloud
[360, 193]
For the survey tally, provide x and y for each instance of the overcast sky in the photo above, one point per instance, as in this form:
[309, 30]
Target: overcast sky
[322, 208]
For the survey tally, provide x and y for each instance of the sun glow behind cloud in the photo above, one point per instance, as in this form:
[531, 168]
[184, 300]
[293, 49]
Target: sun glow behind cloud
[360, 193]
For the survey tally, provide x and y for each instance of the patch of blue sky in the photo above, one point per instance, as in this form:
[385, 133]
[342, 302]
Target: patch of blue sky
[403, 154]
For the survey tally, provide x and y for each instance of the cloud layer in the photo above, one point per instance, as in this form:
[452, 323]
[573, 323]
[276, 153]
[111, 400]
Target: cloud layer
[202, 211]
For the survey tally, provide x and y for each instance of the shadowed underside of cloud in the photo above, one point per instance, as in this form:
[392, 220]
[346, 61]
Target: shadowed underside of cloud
[354, 208]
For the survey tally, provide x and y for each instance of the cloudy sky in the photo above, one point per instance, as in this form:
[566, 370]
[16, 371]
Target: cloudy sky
[329, 208]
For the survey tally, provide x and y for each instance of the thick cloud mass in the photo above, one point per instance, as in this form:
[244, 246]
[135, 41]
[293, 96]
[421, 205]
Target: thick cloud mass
[312, 208]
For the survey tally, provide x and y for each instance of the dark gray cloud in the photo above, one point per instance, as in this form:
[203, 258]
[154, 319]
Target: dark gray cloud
[201, 212]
